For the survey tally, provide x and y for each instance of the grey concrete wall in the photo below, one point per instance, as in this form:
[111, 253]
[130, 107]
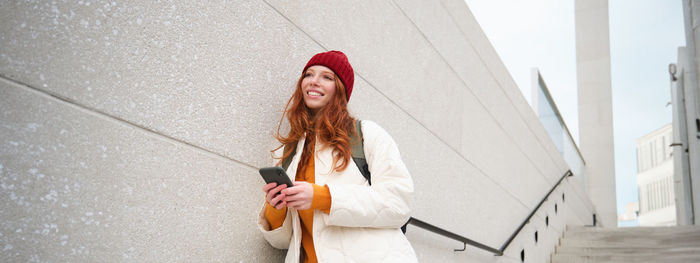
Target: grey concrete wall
[132, 131]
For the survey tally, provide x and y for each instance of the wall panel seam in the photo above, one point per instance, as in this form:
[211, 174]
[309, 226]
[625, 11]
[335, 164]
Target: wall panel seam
[66, 101]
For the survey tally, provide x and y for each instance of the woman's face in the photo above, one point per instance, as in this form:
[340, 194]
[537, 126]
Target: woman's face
[318, 86]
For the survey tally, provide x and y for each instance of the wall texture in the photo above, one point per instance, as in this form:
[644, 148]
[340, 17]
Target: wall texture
[132, 131]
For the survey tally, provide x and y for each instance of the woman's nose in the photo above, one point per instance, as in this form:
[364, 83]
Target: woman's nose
[314, 80]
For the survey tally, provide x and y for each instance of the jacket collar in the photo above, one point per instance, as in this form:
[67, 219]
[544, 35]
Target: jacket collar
[323, 160]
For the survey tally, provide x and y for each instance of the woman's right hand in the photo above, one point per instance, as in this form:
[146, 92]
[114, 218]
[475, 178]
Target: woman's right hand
[274, 195]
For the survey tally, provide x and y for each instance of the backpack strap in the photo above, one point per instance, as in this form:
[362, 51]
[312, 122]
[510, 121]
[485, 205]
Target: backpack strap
[287, 161]
[358, 152]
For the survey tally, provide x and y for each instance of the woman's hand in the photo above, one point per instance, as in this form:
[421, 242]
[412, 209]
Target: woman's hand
[274, 195]
[299, 196]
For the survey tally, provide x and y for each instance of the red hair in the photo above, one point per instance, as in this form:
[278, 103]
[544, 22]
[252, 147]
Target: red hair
[332, 124]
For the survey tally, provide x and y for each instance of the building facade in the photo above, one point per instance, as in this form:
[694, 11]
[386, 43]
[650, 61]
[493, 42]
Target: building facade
[655, 178]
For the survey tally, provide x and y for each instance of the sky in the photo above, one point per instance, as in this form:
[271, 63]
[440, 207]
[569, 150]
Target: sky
[644, 39]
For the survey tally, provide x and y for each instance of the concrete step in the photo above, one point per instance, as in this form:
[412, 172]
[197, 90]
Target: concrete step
[627, 250]
[643, 241]
[686, 236]
[578, 230]
[624, 258]
[642, 244]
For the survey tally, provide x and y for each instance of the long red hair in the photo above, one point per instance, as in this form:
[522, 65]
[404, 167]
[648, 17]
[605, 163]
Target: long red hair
[332, 125]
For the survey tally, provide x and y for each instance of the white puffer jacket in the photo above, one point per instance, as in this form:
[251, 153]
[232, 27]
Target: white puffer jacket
[364, 221]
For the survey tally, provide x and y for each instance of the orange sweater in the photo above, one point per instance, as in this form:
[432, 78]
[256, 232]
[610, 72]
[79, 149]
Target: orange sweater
[321, 201]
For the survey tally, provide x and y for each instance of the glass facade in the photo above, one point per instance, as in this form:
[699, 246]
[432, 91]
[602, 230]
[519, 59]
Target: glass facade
[556, 128]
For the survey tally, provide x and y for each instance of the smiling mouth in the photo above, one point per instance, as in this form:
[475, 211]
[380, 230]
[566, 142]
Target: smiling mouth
[314, 93]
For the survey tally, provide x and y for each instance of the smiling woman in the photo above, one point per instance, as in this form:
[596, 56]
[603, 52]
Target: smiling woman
[319, 84]
[333, 213]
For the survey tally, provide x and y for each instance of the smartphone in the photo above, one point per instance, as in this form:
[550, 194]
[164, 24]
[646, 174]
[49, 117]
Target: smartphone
[275, 175]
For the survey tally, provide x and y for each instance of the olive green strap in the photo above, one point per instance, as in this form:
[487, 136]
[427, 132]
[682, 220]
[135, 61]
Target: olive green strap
[357, 142]
[358, 151]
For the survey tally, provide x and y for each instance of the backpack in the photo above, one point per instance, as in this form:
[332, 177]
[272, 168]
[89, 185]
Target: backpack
[358, 156]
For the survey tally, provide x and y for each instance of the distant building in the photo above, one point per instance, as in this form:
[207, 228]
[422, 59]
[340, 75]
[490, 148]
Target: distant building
[629, 218]
[655, 178]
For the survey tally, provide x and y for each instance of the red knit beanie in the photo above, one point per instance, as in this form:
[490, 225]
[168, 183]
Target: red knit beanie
[338, 62]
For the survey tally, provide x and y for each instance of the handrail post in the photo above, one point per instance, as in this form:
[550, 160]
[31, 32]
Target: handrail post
[594, 220]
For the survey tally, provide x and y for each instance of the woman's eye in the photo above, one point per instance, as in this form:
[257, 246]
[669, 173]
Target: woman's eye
[329, 77]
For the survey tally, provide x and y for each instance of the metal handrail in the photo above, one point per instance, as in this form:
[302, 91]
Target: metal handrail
[467, 241]
[527, 220]
[443, 232]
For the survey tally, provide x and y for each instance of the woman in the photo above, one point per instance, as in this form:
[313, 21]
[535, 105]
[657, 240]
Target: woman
[333, 214]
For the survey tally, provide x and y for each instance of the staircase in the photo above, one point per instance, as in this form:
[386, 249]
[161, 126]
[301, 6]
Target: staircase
[633, 244]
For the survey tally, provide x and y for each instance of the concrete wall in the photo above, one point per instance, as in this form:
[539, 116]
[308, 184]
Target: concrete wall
[133, 131]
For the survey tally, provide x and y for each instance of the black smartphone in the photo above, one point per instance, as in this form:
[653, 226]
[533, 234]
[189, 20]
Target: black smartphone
[275, 175]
